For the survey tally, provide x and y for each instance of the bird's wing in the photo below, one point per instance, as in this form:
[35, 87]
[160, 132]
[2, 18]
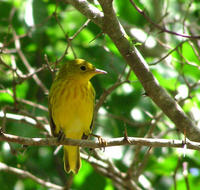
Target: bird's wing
[51, 122]
[85, 136]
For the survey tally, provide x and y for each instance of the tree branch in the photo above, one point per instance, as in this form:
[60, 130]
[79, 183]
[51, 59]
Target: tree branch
[111, 26]
[88, 10]
[95, 144]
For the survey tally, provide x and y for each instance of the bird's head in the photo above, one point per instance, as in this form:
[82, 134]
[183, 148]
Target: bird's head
[79, 70]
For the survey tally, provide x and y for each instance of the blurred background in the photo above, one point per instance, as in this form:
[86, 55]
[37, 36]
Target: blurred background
[37, 34]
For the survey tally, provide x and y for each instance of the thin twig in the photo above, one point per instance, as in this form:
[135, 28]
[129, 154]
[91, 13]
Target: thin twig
[185, 174]
[143, 163]
[26, 63]
[67, 38]
[105, 94]
[158, 26]
[25, 174]
[80, 29]
[169, 53]
[33, 104]
[25, 118]
[128, 121]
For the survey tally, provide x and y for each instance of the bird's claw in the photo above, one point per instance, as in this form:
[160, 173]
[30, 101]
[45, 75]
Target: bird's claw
[102, 141]
[61, 136]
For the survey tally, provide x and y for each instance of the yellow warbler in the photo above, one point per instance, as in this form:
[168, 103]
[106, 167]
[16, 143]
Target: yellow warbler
[71, 106]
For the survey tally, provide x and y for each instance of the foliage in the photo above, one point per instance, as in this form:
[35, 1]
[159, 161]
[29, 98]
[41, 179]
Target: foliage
[35, 34]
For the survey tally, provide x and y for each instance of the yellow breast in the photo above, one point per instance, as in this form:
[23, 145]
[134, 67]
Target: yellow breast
[72, 108]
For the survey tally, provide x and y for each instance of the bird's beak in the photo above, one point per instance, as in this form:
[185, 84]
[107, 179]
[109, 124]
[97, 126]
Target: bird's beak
[99, 71]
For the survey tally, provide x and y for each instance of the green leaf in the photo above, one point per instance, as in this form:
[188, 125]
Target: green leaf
[22, 90]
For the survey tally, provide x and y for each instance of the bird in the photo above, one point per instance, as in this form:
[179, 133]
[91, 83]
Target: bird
[71, 107]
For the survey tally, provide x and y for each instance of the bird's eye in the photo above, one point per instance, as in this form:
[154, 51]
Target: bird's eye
[83, 68]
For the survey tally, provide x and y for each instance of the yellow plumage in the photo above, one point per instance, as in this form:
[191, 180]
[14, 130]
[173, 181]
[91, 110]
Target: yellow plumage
[71, 106]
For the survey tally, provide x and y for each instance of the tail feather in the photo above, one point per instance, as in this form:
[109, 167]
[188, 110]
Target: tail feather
[71, 159]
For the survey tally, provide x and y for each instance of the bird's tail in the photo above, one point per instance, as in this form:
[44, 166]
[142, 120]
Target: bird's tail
[71, 159]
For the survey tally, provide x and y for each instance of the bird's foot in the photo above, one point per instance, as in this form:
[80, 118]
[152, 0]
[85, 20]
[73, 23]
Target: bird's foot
[61, 136]
[102, 141]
